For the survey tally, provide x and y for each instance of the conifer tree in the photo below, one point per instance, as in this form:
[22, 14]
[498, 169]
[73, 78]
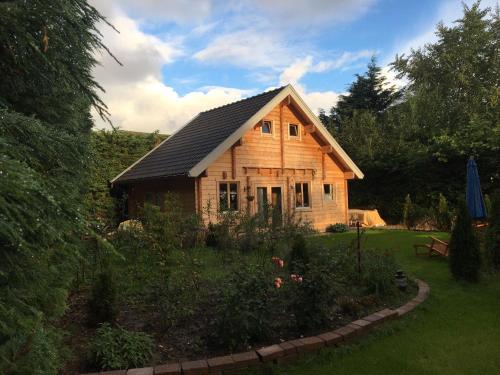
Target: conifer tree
[493, 233]
[464, 248]
[46, 92]
[369, 92]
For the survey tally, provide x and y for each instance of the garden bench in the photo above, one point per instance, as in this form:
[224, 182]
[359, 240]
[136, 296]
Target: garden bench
[435, 247]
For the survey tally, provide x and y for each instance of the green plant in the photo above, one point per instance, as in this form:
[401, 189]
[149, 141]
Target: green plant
[337, 228]
[163, 225]
[117, 348]
[102, 303]
[493, 232]
[311, 297]
[245, 314]
[378, 271]
[408, 212]
[465, 260]
[299, 255]
[443, 215]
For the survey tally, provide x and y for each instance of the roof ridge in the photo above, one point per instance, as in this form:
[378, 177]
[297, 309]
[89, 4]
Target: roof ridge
[244, 99]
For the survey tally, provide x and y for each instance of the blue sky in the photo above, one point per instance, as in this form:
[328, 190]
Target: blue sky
[184, 56]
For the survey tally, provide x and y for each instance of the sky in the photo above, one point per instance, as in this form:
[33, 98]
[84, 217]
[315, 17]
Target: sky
[181, 57]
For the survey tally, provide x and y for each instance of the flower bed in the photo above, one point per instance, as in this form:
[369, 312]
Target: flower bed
[282, 352]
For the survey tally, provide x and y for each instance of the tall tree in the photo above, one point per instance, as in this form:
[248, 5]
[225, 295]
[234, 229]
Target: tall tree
[370, 92]
[450, 111]
[46, 92]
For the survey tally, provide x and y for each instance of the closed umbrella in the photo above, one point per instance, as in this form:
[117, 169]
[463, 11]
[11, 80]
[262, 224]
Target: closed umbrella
[474, 196]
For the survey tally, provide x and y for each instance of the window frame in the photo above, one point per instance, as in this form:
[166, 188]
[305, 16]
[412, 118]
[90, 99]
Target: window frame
[271, 128]
[309, 195]
[228, 185]
[290, 136]
[332, 196]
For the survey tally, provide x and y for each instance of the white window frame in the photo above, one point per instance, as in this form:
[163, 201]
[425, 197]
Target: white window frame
[309, 193]
[297, 137]
[330, 197]
[238, 200]
[271, 123]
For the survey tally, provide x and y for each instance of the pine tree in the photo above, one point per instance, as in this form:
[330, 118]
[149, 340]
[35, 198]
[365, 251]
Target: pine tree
[464, 248]
[369, 92]
[46, 92]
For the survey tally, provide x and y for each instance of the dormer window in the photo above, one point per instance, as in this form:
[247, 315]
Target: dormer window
[293, 130]
[267, 127]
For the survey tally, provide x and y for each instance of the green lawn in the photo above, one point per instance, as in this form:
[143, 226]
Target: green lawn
[456, 331]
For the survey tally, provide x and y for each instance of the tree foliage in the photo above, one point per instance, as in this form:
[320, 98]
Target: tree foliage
[448, 111]
[111, 152]
[46, 92]
[465, 259]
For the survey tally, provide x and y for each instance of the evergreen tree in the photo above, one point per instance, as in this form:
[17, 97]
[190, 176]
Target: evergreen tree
[493, 233]
[369, 92]
[46, 92]
[464, 248]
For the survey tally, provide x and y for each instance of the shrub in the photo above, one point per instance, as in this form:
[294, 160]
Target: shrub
[493, 232]
[377, 272]
[337, 228]
[117, 348]
[443, 215]
[311, 299]
[163, 228]
[299, 255]
[102, 304]
[245, 313]
[413, 215]
[464, 248]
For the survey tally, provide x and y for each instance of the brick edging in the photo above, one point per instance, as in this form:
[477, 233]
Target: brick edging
[280, 353]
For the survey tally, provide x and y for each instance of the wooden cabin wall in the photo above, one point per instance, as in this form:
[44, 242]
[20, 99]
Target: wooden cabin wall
[259, 160]
[182, 187]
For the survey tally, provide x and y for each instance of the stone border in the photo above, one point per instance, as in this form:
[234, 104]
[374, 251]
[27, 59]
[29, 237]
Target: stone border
[284, 352]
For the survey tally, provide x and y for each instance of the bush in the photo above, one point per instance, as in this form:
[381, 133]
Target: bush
[413, 215]
[443, 215]
[493, 232]
[102, 304]
[311, 298]
[377, 272]
[163, 228]
[245, 313]
[464, 248]
[117, 348]
[299, 255]
[337, 228]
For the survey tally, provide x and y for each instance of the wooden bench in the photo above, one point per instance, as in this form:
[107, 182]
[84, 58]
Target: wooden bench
[436, 246]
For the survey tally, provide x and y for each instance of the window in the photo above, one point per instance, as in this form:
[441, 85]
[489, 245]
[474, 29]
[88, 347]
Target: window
[267, 127]
[228, 196]
[301, 194]
[293, 130]
[328, 192]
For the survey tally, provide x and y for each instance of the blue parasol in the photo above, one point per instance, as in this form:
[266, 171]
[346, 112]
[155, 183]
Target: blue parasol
[473, 195]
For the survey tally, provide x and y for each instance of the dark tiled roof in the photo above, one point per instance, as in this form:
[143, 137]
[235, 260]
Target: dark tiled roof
[186, 148]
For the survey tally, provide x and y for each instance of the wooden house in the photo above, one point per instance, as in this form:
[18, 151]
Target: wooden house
[269, 149]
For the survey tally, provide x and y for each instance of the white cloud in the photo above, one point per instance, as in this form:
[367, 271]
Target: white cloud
[246, 48]
[312, 12]
[135, 94]
[180, 11]
[149, 105]
[300, 67]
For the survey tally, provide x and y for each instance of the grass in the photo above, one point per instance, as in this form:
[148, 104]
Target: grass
[456, 331]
